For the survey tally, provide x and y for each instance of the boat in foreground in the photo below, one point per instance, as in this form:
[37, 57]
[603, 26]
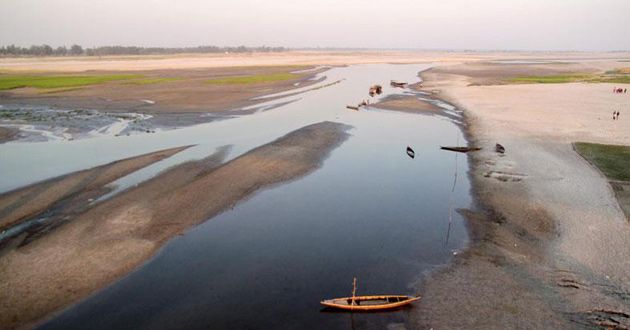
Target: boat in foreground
[368, 303]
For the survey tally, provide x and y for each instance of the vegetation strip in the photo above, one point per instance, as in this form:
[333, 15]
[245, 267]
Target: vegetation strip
[570, 78]
[253, 79]
[43, 82]
[552, 79]
[612, 160]
[151, 81]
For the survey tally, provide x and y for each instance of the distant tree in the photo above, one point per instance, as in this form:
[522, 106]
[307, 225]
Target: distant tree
[61, 51]
[13, 50]
[35, 50]
[47, 50]
[76, 50]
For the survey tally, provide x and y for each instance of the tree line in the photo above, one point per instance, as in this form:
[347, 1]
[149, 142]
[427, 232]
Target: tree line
[76, 50]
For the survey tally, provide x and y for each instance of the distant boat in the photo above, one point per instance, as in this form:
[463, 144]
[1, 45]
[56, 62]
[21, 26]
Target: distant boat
[460, 149]
[368, 303]
[410, 152]
[352, 107]
[397, 84]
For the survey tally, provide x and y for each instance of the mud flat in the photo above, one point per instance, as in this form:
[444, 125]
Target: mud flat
[112, 238]
[550, 244]
[8, 134]
[407, 103]
[181, 91]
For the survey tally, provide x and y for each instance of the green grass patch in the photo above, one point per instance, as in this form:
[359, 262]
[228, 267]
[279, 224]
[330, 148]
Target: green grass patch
[11, 82]
[612, 160]
[56, 91]
[151, 81]
[614, 80]
[253, 79]
[557, 79]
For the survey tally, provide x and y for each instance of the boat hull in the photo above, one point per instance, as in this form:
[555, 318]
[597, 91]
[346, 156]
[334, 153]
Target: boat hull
[367, 303]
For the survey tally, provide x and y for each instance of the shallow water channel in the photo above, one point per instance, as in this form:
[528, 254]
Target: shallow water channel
[369, 212]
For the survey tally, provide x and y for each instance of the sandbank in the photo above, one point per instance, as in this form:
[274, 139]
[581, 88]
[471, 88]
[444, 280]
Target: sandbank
[550, 245]
[112, 238]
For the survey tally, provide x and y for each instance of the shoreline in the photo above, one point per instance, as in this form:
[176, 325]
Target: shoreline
[531, 262]
[132, 107]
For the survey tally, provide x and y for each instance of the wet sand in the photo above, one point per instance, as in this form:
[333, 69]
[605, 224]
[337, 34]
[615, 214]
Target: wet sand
[406, 104]
[550, 244]
[113, 238]
[70, 190]
[8, 134]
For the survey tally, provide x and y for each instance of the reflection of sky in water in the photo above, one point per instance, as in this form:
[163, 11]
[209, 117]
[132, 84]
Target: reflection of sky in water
[22, 163]
[370, 212]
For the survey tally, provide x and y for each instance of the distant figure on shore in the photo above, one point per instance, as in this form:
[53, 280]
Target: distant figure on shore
[614, 115]
[617, 115]
[625, 90]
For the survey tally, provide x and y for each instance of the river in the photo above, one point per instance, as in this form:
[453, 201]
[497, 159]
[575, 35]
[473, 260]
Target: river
[369, 212]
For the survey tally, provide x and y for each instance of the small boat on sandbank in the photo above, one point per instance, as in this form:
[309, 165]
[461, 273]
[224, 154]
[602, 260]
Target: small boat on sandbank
[395, 83]
[460, 149]
[369, 303]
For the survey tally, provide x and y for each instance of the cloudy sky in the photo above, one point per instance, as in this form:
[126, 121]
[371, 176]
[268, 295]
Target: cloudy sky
[586, 25]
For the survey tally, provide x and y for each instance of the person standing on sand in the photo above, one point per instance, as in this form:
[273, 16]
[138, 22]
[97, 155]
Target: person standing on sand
[617, 114]
[625, 90]
[614, 115]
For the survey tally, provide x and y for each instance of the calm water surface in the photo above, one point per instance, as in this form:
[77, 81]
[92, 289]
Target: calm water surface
[369, 212]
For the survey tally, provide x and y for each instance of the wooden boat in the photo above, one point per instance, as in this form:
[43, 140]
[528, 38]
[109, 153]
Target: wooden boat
[352, 107]
[369, 303]
[397, 84]
[460, 149]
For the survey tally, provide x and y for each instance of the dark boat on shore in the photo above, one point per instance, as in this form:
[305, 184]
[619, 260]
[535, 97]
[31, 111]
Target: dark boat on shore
[461, 149]
[397, 84]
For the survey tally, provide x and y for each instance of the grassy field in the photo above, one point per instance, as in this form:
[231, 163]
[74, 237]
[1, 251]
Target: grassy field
[253, 79]
[571, 78]
[12, 82]
[151, 81]
[612, 160]
[557, 79]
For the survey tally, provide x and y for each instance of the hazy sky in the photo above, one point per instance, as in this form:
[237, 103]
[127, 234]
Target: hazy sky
[422, 24]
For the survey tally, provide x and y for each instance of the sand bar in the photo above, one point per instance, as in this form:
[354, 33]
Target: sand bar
[550, 243]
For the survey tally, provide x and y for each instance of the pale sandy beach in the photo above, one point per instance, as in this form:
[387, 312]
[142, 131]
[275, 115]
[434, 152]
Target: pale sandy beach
[551, 247]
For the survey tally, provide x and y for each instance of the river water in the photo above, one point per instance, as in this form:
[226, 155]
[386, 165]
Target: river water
[369, 212]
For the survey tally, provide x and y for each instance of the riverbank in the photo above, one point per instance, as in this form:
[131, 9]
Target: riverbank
[549, 242]
[111, 238]
[165, 91]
